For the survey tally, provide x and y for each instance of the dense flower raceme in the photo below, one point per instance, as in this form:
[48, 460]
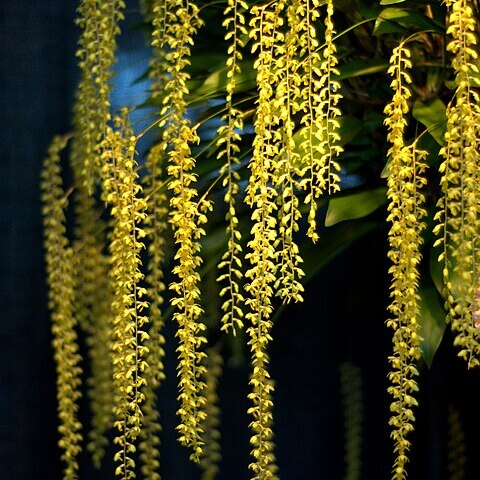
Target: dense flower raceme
[99, 22]
[61, 296]
[122, 193]
[107, 282]
[228, 141]
[458, 220]
[406, 210]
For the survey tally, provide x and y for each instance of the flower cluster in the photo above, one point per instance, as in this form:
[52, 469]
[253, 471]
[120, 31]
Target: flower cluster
[228, 140]
[122, 193]
[286, 166]
[156, 229]
[211, 452]
[320, 96]
[187, 216]
[93, 296]
[99, 22]
[61, 297]
[261, 196]
[458, 218]
[406, 210]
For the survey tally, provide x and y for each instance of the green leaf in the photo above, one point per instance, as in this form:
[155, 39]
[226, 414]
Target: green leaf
[432, 114]
[215, 83]
[432, 322]
[436, 269]
[436, 273]
[356, 205]
[390, 2]
[358, 68]
[400, 20]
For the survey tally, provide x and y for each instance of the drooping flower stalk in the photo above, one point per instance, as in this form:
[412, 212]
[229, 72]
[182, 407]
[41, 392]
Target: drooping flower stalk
[228, 139]
[123, 194]
[458, 219]
[187, 215]
[61, 298]
[99, 22]
[261, 196]
[406, 210]
[320, 98]
[286, 170]
[211, 454]
[156, 229]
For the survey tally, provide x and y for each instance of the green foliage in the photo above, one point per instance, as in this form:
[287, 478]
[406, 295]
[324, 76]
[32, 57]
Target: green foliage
[432, 324]
[355, 205]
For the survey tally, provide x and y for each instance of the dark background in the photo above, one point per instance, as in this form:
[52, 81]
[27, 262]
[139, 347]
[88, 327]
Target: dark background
[341, 319]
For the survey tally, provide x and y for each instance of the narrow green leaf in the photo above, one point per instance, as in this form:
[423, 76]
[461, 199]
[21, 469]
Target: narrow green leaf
[390, 2]
[356, 205]
[432, 322]
[432, 114]
[358, 68]
[400, 20]
[215, 84]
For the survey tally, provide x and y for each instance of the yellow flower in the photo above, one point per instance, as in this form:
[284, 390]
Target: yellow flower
[458, 220]
[99, 22]
[61, 298]
[261, 196]
[406, 210]
[187, 216]
[320, 99]
[228, 140]
[122, 193]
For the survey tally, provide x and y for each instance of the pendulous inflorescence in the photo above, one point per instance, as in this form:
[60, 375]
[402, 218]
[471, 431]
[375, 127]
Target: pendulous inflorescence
[228, 140]
[458, 224]
[187, 215]
[287, 165]
[125, 209]
[123, 194]
[99, 23]
[406, 210]
[320, 97]
[261, 196]
[61, 298]
[156, 227]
